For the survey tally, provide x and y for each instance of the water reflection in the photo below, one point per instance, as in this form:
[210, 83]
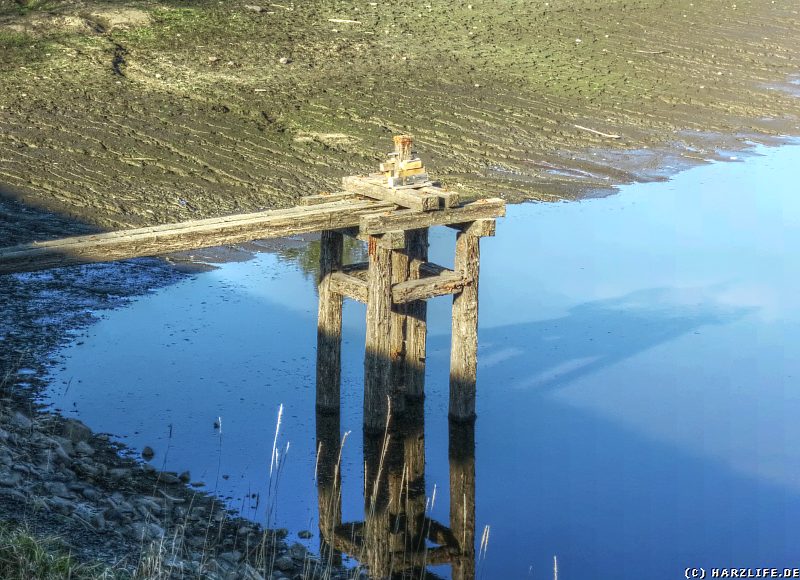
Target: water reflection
[397, 538]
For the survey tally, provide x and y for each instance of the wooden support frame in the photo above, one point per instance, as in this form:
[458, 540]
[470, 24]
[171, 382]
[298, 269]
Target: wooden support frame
[329, 323]
[409, 219]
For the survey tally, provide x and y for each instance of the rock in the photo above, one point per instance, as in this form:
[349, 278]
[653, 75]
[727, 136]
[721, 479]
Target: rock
[284, 563]
[120, 473]
[148, 453]
[304, 535]
[9, 478]
[254, 8]
[76, 431]
[98, 521]
[169, 477]
[90, 493]
[60, 505]
[5, 457]
[4, 435]
[21, 422]
[83, 448]
[285, 60]
[185, 477]
[146, 532]
[298, 551]
[233, 557]
[58, 489]
[13, 494]
[247, 572]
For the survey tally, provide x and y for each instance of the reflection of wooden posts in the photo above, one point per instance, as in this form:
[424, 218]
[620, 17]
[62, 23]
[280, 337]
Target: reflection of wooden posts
[461, 451]
[329, 324]
[395, 538]
[329, 482]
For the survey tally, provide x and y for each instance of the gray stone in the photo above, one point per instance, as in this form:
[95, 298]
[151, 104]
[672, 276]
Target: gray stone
[20, 421]
[120, 473]
[4, 435]
[83, 448]
[284, 563]
[233, 557]
[185, 477]
[9, 478]
[76, 431]
[298, 551]
[60, 505]
[6, 458]
[146, 532]
[58, 489]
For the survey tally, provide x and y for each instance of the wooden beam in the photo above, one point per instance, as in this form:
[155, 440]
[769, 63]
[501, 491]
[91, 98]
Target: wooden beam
[349, 286]
[408, 219]
[464, 347]
[377, 361]
[424, 288]
[329, 323]
[480, 228]
[416, 324]
[376, 189]
[449, 198]
[326, 198]
[160, 240]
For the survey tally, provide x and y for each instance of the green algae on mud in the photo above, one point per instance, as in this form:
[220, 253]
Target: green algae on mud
[139, 112]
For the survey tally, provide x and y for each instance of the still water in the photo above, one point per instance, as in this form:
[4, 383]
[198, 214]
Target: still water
[638, 386]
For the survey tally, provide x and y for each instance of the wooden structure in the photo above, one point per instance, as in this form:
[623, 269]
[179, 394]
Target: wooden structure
[397, 537]
[395, 283]
[391, 210]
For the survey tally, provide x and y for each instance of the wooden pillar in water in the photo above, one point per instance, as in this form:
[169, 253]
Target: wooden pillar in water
[397, 330]
[461, 452]
[416, 321]
[378, 360]
[329, 324]
[464, 349]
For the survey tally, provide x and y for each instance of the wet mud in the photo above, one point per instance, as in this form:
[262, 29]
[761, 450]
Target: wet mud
[131, 113]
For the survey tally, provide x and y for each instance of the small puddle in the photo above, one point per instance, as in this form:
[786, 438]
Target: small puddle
[637, 407]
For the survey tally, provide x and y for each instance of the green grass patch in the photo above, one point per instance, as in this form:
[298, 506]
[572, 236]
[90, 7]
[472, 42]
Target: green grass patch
[23, 557]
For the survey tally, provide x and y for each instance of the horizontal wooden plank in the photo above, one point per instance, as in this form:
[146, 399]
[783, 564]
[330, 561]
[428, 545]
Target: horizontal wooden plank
[376, 189]
[409, 219]
[478, 228]
[160, 240]
[349, 286]
[424, 288]
[326, 198]
[449, 198]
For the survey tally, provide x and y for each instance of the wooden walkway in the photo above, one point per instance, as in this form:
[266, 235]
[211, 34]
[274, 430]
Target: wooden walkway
[391, 210]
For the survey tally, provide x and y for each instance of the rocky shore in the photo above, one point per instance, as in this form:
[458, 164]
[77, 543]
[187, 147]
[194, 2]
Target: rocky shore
[58, 478]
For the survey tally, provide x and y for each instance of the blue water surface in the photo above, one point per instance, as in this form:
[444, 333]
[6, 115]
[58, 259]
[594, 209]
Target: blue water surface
[638, 392]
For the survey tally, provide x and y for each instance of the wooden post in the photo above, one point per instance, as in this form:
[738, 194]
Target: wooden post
[461, 452]
[329, 324]
[378, 361]
[464, 349]
[402, 147]
[397, 329]
[416, 321]
[329, 484]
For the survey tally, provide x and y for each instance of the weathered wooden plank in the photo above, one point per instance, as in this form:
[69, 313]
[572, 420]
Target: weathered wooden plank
[376, 189]
[329, 323]
[464, 346]
[379, 223]
[349, 286]
[326, 198]
[429, 287]
[480, 228]
[397, 330]
[449, 198]
[377, 361]
[416, 323]
[160, 240]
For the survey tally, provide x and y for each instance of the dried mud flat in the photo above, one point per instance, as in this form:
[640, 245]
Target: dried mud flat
[132, 113]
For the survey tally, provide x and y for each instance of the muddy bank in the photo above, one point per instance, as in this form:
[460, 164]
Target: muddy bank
[133, 113]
